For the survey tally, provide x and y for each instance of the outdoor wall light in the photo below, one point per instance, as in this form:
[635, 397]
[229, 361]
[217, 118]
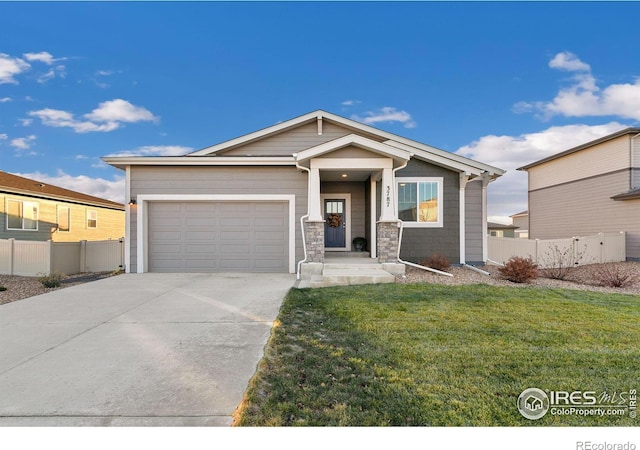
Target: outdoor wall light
[132, 201]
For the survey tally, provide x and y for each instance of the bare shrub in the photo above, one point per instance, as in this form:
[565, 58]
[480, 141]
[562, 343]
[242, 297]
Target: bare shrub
[519, 270]
[611, 275]
[437, 261]
[560, 263]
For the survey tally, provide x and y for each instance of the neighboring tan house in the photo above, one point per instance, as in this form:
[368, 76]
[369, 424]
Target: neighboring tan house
[244, 204]
[34, 211]
[501, 230]
[588, 189]
[521, 222]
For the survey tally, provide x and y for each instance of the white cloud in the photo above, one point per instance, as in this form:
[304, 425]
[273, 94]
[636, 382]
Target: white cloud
[107, 117]
[10, 67]
[386, 114]
[25, 122]
[5, 99]
[582, 97]
[23, 143]
[119, 110]
[98, 187]
[3, 136]
[156, 150]
[104, 73]
[508, 194]
[569, 62]
[44, 57]
[81, 157]
[350, 102]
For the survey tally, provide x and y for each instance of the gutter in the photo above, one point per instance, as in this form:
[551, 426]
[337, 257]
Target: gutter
[439, 272]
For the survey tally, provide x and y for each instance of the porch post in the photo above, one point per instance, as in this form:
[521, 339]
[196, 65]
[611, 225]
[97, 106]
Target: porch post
[388, 199]
[464, 178]
[315, 214]
[486, 179]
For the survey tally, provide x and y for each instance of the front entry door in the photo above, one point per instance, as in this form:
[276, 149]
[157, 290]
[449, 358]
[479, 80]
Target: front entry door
[335, 224]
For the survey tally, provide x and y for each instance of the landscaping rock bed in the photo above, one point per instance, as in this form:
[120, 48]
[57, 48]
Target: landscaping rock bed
[18, 287]
[581, 278]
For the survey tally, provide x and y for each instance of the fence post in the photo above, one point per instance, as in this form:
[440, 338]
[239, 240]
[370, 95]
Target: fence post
[12, 256]
[536, 252]
[49, 257]
[122, 263]
[83, 256]
[601, 254]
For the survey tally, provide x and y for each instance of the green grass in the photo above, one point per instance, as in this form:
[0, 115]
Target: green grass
[440, 355]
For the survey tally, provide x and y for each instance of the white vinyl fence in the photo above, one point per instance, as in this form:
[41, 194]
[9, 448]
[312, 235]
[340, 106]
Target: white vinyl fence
[31, 258]
[581, 250]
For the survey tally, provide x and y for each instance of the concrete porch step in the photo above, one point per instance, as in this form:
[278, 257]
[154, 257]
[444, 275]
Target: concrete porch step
[350, 276]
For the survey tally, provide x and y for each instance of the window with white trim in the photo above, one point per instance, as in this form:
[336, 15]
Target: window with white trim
[64, 218]
[420, 201]
[92, 218]
[22, 215]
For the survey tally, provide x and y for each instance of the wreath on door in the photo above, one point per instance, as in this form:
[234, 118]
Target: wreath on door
[334, 220]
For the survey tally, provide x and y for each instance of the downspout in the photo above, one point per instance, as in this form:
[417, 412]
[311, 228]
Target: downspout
[401, 223]
[304, 240]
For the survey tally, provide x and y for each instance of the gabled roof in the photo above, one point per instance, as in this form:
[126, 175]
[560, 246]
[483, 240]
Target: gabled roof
[609, 137]
[521, 213]
[500, 226]
[422, 151]
[13, 184]
[356, 141]
[392, 143]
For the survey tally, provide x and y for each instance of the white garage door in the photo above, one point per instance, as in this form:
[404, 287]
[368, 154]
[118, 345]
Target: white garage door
[218, 237]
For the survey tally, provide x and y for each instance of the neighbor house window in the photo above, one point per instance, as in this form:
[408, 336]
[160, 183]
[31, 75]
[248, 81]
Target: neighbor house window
[420, 201]
[64, 218]
[22, 215]
[92, 219]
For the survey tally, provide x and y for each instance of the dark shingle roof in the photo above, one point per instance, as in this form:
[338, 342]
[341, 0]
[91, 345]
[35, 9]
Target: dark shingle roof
[14, 184]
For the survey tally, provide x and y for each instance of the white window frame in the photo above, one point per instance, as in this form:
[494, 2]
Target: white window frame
[440, 184]
[68, 210]
[23, 203]
[89, 211]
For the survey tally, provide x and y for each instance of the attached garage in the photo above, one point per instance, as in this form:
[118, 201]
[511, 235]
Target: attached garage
[218, 236]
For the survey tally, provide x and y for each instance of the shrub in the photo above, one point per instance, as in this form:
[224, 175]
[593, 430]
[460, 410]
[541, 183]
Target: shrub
[611, 275]
[519, 270]
[560, 263]
[52, 280]
[437, 261]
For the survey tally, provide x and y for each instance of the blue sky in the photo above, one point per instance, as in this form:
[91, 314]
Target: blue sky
[504, 83]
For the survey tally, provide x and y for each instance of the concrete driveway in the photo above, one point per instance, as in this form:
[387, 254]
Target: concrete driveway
[136, 349]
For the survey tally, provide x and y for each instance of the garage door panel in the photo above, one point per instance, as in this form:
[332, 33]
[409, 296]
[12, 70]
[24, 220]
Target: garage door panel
[218, 236]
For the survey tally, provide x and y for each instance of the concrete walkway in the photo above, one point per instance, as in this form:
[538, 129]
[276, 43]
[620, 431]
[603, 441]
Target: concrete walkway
[136, 350]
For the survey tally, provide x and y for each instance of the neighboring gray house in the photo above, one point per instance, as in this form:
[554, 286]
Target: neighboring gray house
[240, 205]
[588, 189]
[521, 222]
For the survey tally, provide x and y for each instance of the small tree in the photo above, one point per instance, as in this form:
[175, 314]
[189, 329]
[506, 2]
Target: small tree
[519, 270]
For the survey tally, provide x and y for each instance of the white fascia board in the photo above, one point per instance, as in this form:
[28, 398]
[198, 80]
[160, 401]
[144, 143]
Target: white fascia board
[357, 141]
[122, 162]
[448, 158]
[351, 163]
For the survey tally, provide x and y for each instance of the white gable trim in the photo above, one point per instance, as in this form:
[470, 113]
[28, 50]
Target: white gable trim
[357, 141]
[437, 159]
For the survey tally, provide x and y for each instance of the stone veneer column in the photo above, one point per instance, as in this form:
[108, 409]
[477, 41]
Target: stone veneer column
[387, 241]
[314, 236]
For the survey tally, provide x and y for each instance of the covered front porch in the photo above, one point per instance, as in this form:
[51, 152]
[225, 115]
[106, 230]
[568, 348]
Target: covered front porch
[351, 196]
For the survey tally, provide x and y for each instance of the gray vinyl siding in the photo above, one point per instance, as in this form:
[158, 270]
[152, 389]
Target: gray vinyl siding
[419, 243]
[473, 222]
[293, 141]
[358, 208]
[584, 207]
[219, 180]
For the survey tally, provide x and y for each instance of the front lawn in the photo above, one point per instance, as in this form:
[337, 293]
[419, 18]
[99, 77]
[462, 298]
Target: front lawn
[441, 355]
